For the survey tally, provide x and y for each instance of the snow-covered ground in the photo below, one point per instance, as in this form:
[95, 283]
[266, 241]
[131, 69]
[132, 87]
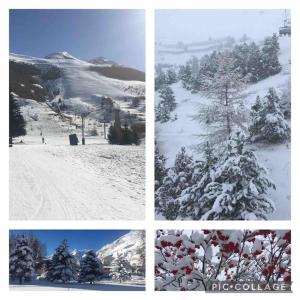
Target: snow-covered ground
[58, 181]
[105, 285]
[185, 131]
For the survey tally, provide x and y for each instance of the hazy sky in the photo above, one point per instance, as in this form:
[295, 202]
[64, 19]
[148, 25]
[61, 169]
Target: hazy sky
[77, 239]
[194, 25]
[115, 34]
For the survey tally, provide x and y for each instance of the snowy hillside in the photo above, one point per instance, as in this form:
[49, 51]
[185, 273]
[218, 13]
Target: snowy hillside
[184, 130]
[60, 76]
[188, 103]
[130, 247]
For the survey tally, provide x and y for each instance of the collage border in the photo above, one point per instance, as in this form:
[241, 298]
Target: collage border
[150, 225]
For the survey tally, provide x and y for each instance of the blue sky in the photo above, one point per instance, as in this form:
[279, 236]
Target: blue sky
[115, 34]
[77, 239]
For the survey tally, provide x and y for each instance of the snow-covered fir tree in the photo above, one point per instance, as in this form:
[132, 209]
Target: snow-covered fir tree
[239, 187]
[267, 120]
[285, 100]
[177, 179]
[166, 105]
[63, 267]
[183, 168]
[171, 76]
[191, 204]
[160, 167]
[270, 61]
[248, 59]
[254, 63]
[122, 270]
[90, 267]
[166, 197]
[185, 75]
[21, 261]
[160, 80]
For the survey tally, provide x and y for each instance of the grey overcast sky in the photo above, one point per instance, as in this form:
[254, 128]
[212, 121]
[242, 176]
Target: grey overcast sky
[194, 25]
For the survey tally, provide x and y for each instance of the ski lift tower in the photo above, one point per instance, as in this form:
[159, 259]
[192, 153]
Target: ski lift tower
[286, 28]
[83, 116]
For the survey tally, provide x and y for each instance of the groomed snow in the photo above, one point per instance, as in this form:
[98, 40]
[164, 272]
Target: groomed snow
[51, 181]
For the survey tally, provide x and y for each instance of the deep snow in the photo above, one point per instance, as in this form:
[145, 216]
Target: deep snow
[185, 131]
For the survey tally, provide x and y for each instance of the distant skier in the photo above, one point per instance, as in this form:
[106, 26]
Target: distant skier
[43, 140]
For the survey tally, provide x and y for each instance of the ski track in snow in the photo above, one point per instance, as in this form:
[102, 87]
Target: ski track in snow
[84, 182]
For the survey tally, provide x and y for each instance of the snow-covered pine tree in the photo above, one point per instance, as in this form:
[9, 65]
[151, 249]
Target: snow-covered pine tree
[160, 167]
[241, 55]
[122, 270]
[267, 120]
[208, 66]
[63, 267]
[166, 195]
[90, 267]
[160, 80]
[178, 179]
[21, 262]
[185, 75]
[183, 168]
[190, 199]
[166, 105]
[226, 110]
[254, 63]
[285, 100]
[270, 61]
[171, 76]
[162, 113]
[240, 186]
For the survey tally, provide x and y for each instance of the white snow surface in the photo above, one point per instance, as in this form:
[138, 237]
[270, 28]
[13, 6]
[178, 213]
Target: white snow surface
[136, 284]
[56, 181]
[185, 131]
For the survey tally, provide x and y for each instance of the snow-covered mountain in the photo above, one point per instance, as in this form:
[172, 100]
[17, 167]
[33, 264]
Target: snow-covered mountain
[96, 84]
[78, 253]
[130, 247]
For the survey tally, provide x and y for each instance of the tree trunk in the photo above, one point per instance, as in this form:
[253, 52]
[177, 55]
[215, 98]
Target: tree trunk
[228, 123]
[227, 113]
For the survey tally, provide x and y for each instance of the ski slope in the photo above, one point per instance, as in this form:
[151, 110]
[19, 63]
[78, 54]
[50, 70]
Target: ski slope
[80, 82]
[56, 181]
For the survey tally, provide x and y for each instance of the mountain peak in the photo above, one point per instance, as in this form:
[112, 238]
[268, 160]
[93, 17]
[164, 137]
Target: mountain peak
[60, 55]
